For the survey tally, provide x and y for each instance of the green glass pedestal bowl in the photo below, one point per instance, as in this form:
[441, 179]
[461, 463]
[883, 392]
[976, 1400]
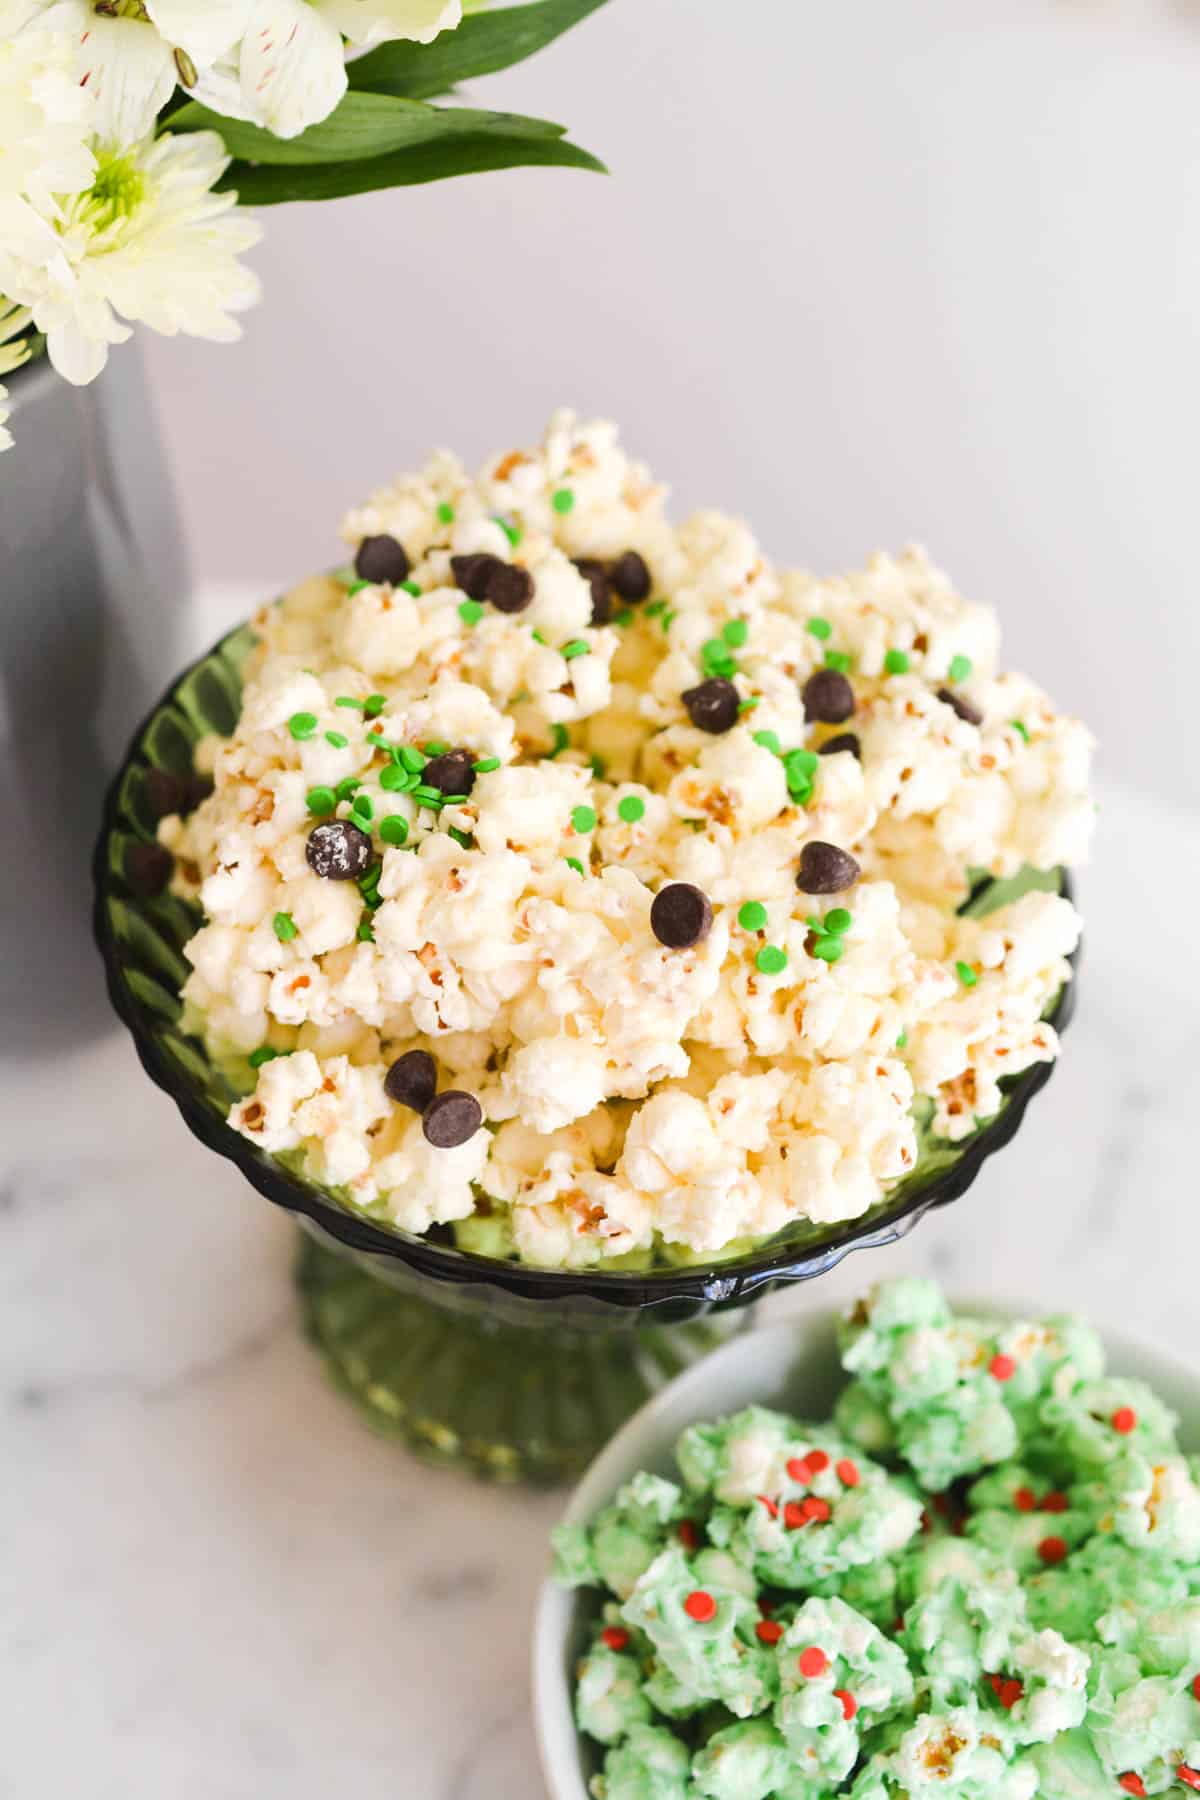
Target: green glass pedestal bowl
[512, 1371]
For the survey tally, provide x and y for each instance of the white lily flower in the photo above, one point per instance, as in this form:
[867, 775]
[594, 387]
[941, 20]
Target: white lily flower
[148, 241]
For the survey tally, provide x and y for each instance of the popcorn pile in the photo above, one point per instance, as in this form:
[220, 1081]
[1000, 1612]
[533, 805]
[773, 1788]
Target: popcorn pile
[981, 1580]
[650, 854]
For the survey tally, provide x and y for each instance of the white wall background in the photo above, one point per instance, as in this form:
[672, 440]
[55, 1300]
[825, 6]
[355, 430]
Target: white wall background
[863, 272]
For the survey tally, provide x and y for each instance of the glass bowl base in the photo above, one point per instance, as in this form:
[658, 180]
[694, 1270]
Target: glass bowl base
[501, 1401]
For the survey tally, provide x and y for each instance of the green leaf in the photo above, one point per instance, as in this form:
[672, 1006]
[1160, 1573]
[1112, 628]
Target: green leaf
[482, 44]
[470, 155]
[360, 126]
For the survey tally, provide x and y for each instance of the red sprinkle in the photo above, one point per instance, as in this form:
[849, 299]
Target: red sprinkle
[1024, 1499]
[816, 1509]
[1132, 1784]
[689, 1537]
[768, 1631]
[1002, 1368]
[849, 1703]
[1124, 1420]
[1196, 1686]
[1055, 1502]
[772, 1509]
[847, 1472]
[700, 1606]
[614, 1637]
[1052, 1549]
[813, 1662]
[794, 1515]
[800, 1469]
[817, 1461]
[1006, 1689]
[1189, 1777]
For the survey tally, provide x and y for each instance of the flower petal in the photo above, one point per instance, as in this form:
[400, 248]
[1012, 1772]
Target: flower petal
[123, 63]
[373, 21]
[206, 29]
[292, 66]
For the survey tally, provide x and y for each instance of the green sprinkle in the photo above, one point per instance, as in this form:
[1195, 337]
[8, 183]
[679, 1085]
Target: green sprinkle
[583, 818]
[445, 512]
[752, 916]
[902, 1040]
[486, 764]
[349, 700]
[356, 587]
[596, 764]
[1017, 726]
[345, 787]
[745, 706]
[667, 619]
[896, 662]
[575, 648]
[624, 617]
[560, 737]
[828, 949]
[366, 931]
[771, 960]
[717, 658]
[631, 808]
[394, 829]
[428, 796]
[838, 921]
[819, 628]
[960, 668]
[838, 659]
[454, 799]
[769, 741]
[573, 862]
[470, 611]
[461, 837]
[966, 974]
[511, 532]
[361, 809]
[377, 741]
[337, 738]
[286, 927]
[302, 725]
[803, 762]
[562, 500]
[655, 608]
[373, 705]
[412, 587]
[735, 633]
[411, 758]
[435, 747]
[536, 635]
[393, 780]
[321, 800]
[264, 1054]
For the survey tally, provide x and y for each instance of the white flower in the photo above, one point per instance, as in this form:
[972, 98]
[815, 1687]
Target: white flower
[13, 319]
[148, 240]
[47, 117]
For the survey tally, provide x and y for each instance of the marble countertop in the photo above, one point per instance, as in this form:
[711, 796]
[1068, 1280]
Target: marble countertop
[217, 1582]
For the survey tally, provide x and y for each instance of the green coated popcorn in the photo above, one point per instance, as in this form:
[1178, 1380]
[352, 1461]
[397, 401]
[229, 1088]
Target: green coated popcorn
[980, 1581]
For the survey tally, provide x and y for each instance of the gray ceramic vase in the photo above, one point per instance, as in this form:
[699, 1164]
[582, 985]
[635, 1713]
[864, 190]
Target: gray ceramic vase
[92, 578]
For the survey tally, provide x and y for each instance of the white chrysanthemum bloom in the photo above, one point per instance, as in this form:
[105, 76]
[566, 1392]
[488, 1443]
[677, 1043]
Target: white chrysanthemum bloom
[148, 240]
[13, 319]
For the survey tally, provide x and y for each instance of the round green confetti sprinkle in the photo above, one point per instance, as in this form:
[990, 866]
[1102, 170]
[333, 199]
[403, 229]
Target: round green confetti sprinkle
[819, 628]
[338, 739]
[583, 818]
[412, 587]
[393, 829]
[752, 916]
[537, 637]
[769, 741]
[896, 662]
[361, 809]
[435, 747]
[393, 780]
[745, 706]
[1022, 729]
[573, 862]
[716, 657]
[966, 974]
[461, 837]
[960, 668]
[264, 1054]
[562, 500]
[624, 617]
[321, 800]
[838, 921]
[366, 931]
[373, 705]
[411, 758]
[576, 647]
[902, 1040]
[302, 725]
[511, 532]
[837, 659]
[668, 619]
[560, 737]
[655, 608]
[346, 787]
[803, 762]
[356, 587]
[286, 927]
[735, 633]
[445, 512]
[631, 808]
[349, 700]
[771, 960]
[470, 611]
[428, 796]
[486, 764]
[828, 949]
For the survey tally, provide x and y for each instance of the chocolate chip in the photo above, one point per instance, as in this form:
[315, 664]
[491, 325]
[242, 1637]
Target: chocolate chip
[828, 696]
[713, 706]
[681, 915]
[451, 1119]
[381, 559]
[630, 576]
[483, 577]
[166, 792]
[451, 773]
[412, 1080]
[338, 850]
[962, 707]
[845, 740]
[824, 869]
[596, 576]
[148, 869]
[199, 788]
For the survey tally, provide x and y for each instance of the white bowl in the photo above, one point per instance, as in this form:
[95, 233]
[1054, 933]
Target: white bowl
[793, 1366]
